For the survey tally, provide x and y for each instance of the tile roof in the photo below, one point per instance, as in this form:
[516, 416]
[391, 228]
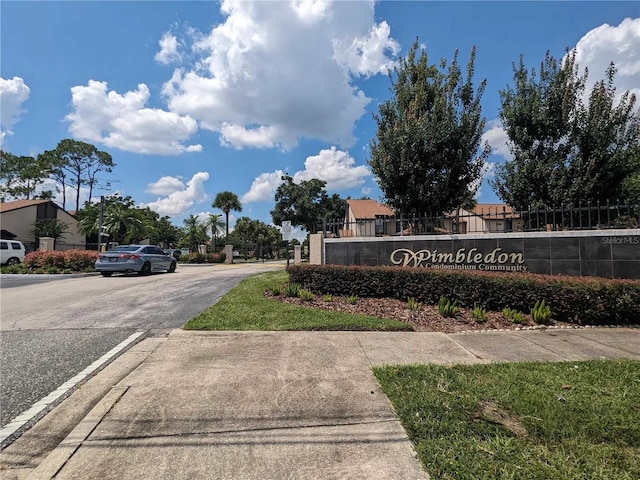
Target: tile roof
[493, 210]
[15, 205]
[368, 209]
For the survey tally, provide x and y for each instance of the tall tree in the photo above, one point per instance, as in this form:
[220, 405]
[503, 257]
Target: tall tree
[21, 175]
[305, 204]
[217, 226]
[563, 150]
[163, 232]
[121, 220]
[77, 163]
[194, 232]
[124, 224]
[246, 229]
[426, 154]
[227, 201]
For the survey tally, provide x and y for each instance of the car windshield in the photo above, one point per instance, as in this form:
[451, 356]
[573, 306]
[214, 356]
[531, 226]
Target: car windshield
[124, 249]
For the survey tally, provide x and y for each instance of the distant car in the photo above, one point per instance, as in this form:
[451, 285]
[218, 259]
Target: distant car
[143, 259]
[174, 252]
[11, 252]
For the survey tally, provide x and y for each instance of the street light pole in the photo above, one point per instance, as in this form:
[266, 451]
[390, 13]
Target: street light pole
[100, 221]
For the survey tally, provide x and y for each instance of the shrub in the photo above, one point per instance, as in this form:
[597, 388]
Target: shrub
[413, 304]
[13, 269]
[479, 314]
[513, 315]
[541, 313]
[305, 295]
[583, 300]
[275, 290]
[327, 298]
[353, 299]
[292, 289]
[55, 261]
[200, 258]
[215, 257]
[447, 308]
[192, 258]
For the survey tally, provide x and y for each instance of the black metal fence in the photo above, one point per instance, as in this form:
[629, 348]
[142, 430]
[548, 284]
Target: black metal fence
[494, 219]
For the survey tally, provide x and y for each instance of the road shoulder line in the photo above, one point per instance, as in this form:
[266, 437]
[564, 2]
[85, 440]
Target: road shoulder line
[44, 404]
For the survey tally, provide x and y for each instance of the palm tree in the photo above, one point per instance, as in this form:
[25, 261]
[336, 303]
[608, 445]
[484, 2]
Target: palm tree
[50, 227]
[217, 226]
[194, 232]
[227, 201]
[124, 224]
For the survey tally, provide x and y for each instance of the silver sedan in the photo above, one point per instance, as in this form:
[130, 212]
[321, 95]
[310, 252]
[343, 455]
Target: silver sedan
[143, 259]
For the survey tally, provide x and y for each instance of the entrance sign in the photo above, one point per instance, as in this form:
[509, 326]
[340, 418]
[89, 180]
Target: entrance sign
[286, 230]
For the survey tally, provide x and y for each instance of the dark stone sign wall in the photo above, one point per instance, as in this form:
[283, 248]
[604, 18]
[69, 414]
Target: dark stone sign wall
[611, 254]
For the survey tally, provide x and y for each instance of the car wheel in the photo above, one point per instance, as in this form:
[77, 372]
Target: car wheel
[106, 274]
[172, 267]
[12, 261]
[146, 269]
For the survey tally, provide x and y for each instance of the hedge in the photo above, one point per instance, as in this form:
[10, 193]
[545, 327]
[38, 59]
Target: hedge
[581, 300]
[200, 258]
[73, 260]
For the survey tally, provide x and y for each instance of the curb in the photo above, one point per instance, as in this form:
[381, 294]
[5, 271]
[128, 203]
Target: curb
[14, 429]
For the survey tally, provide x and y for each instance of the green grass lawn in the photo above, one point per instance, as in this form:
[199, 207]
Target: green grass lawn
[247, 308]
[569, 420]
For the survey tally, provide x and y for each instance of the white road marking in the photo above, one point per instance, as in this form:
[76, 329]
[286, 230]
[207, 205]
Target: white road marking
[38, 407]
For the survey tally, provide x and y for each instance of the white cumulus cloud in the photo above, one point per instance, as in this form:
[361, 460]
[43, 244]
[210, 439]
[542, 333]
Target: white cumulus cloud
[123, 121]
[168, 50]
[497, 138]
[165, 186]
[178, 202]
[618, 44]
[13, 93]
[334, 166]
[263, 187]
[594, 51]
[274, 72]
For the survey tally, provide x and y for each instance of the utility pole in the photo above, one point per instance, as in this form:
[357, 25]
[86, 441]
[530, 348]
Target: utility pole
[100, 221]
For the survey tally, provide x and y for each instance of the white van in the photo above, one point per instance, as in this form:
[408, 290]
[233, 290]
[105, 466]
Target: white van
[11, 252]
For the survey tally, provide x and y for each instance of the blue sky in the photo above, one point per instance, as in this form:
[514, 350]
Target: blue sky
[194, 98]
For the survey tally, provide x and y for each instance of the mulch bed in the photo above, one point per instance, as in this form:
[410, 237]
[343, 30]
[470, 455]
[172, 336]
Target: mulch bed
[426, 319]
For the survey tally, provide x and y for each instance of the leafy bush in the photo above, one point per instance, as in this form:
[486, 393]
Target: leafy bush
[200, 258]
[413, 304]
[56, 261]
[479, 314]
[513, 315]
[582, 300]
[275, 290]
[305, 295]
[541, 313]
[447, 308]
[13, 269]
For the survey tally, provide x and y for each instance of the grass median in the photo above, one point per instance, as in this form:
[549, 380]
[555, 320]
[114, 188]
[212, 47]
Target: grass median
[564, 420]
[247, 308]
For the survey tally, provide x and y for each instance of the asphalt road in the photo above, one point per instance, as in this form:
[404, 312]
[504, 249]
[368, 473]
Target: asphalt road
[53, 328]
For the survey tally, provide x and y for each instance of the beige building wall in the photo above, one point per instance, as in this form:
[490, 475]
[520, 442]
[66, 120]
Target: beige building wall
[20, 222]
[72, 238]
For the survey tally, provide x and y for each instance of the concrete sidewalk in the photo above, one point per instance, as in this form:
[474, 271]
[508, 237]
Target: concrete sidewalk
[265, 405]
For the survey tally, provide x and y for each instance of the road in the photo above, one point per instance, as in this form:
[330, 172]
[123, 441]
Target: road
[54, 328]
